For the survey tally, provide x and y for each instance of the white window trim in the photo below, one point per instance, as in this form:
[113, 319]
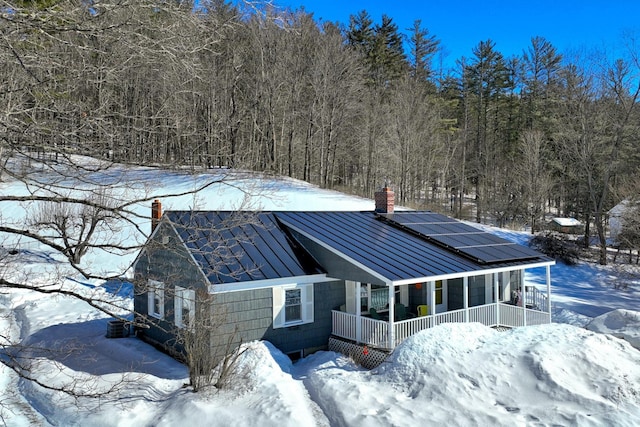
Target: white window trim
[306, 298]
[155, 287]
[183, 296]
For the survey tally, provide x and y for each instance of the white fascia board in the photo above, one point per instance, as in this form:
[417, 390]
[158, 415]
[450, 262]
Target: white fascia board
[418, 279]
[471, 273]
[268, 283]
[338, 253]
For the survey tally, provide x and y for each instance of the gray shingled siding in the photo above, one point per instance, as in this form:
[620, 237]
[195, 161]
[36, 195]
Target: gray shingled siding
[170, 267]
[249, 314]
[244, 315]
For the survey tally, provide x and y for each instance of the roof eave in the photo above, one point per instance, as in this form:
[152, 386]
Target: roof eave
[472, 273]
[267, 283]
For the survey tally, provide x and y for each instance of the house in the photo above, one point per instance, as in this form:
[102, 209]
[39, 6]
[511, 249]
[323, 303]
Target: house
[616, 217]
[304, 279]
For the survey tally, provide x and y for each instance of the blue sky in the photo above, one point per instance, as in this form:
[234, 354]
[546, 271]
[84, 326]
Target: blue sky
[568, 24]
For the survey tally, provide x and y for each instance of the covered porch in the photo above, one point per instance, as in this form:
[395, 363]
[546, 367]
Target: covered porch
[385, 329]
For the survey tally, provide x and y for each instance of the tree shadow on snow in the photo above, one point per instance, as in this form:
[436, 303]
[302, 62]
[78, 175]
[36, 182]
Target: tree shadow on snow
[85, 347]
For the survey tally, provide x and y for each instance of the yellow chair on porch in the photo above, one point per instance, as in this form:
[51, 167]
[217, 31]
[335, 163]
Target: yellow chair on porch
[423, 310]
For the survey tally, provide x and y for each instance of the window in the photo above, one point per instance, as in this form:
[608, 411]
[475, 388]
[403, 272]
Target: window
[184, 307]
[380, 297]
[364, 297]
[292, 305]
[155, 294]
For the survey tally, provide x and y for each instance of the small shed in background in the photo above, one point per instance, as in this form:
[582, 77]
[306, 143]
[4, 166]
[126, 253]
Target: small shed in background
[567, 225]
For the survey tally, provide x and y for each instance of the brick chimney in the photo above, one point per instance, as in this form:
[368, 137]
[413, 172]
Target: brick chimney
[156, 213]
[384, 199]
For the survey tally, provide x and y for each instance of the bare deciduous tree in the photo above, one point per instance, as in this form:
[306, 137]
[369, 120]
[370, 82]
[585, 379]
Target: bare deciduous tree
[534, 177]
[210, 363]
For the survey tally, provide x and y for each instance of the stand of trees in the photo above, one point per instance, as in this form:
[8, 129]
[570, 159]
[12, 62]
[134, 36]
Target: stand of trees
[341, 105]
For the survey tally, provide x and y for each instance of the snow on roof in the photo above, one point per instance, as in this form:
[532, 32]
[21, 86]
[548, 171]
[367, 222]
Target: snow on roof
[621, 207]
[567, 222]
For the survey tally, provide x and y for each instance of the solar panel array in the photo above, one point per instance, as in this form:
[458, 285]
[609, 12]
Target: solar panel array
[481, 246]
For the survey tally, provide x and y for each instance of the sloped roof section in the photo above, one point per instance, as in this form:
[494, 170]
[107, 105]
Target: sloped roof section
[233, 247]
[393, 251]
[566, 222]
[478, 245]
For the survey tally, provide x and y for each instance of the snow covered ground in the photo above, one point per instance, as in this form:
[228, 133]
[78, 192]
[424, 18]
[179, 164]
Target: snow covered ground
[455, 374]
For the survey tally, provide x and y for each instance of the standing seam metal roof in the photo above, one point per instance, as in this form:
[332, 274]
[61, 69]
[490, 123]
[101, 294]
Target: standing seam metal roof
[233, 247]
[239, 247]
[390, 251]
[359, 235]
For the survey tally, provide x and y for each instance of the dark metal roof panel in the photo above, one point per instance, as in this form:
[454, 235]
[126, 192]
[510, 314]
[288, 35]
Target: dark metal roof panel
[388, 251]
[238, 247]
[391, 252]
[459, 237]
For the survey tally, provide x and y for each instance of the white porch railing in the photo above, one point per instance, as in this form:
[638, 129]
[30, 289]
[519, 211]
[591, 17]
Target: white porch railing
[344, 324]
[376, 332]
[514, 316]
[485, 314]
[371, 332]
[536, 299]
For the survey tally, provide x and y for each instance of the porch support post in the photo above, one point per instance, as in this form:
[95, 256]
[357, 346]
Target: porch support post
[465, 298]
[523, 298]
[392, 302]
[549, 291]
[431, 286]
[496, 293]
[358, 298]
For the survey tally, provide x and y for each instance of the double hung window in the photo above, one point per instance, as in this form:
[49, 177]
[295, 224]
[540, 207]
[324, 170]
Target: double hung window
[155, 294]
[184, 307]
[292, 305]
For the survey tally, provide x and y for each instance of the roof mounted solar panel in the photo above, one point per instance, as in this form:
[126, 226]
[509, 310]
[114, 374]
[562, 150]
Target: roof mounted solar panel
[456, 236]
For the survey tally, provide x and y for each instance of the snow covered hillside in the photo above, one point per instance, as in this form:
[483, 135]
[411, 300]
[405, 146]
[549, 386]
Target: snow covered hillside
[454, 374]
